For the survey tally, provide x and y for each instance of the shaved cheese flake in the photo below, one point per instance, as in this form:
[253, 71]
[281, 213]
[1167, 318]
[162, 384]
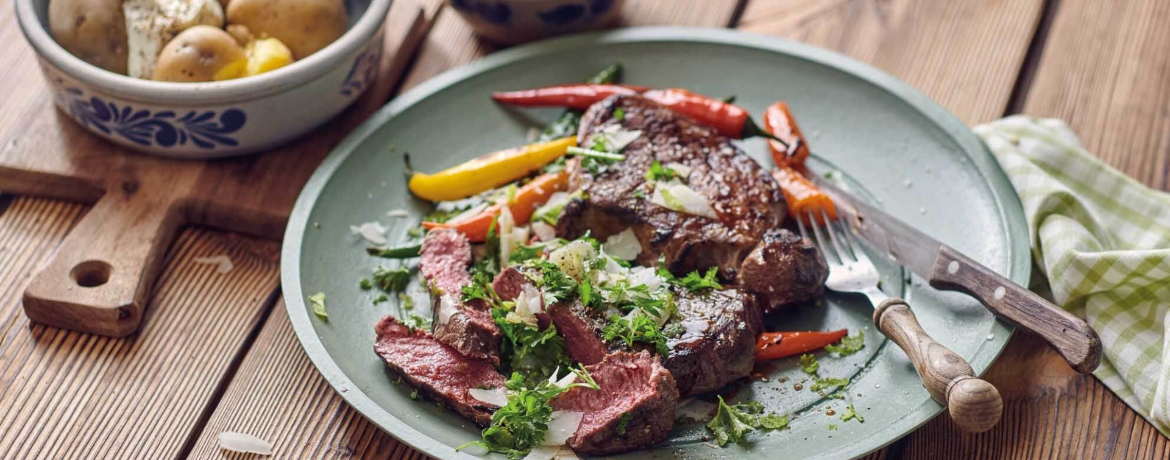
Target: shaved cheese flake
[497, 396]
[528, 304]
[398, 213]
[680, 169]
[505, 225]
[223, 263]
[542, 453]
[571, 258]
[676, 196]
[543, 231]
[615, 138]
[565, 381]
[370, 231]
[561, 427]
[244, 443]
[447, 308]
[623, 245]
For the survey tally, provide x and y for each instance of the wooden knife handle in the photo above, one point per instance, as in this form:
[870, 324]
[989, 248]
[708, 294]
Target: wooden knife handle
[99, 279]
[1070, 336]
[975, 405]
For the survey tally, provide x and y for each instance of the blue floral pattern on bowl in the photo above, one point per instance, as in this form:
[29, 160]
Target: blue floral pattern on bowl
[494, 12]
[363, 71]
[164, 128]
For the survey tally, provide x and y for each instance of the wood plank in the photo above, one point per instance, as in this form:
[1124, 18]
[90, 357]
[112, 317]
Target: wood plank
[277, 394]
[964, 54]
[71, 395]
[1105, 69]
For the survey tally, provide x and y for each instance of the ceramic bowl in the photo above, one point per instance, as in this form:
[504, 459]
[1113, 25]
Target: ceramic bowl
[510, 22]
[215, 119]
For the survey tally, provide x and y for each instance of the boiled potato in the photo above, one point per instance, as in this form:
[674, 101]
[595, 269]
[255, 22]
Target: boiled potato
[305, 26]
[93, 30]
[200, 53]
[265, 55]
[151, 24]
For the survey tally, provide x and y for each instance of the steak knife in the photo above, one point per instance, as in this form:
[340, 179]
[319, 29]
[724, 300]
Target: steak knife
[949, 270]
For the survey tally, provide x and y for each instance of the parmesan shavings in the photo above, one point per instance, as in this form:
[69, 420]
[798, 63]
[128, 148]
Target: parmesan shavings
[244, 443]
[371, 231]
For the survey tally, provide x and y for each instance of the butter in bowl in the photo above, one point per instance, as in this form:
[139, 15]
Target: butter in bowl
[203, 78]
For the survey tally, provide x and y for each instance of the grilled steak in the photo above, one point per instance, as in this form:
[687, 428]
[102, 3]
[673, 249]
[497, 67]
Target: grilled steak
[717, 346]
[743, 195]
[438, 371]
[745, 198]
[445, 258]
[783, 270]
[630, 383]
[581, 327]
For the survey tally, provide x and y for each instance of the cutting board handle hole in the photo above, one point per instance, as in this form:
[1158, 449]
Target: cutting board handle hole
[91, 273]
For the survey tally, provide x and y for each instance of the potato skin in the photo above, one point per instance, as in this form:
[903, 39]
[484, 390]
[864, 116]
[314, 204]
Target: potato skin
[93, 30]
[305, 26]
[197, 54]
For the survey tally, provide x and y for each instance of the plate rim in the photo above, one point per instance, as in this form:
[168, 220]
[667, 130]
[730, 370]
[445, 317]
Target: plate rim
[1011, 215]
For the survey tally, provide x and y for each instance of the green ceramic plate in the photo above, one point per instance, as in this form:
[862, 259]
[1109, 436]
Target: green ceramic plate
[887, 140]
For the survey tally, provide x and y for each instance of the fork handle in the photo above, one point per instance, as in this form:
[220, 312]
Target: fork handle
[975, 405]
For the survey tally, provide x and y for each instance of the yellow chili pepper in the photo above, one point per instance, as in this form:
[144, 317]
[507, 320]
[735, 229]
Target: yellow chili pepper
[488, 172]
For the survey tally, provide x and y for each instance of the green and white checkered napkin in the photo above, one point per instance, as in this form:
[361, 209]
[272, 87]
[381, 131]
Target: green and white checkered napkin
[1103, 242]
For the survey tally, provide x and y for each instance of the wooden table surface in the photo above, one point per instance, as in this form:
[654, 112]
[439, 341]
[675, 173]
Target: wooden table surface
[216, 352]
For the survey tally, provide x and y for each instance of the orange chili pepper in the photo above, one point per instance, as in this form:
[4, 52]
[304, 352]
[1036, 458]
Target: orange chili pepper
[803, 196]
[774, 345]
[778, 121]
[574, 96]
[528, 197]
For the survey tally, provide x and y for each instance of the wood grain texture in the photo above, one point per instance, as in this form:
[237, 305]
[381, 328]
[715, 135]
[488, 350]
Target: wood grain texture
[964, 54]
[1105, 68]
[277, 394]
[71, 395]
[973, 404]
[46, 154]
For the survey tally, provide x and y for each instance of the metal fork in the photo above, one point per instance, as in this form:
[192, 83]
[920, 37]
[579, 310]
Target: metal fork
[974, 404]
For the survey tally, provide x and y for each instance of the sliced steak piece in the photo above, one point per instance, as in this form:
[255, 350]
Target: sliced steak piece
[444, 260]
[745, 197]
[581, 327]
[717, 346]
[630, 383]
[438, 371]
[784, 269]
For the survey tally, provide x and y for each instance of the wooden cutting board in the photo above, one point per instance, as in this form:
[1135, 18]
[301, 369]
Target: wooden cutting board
[100, 278]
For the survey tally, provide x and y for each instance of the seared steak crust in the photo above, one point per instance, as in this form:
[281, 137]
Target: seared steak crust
[718, 346]
[438, 371]
[744, 196]
[444, 260]
[784, 269]
[630, 383]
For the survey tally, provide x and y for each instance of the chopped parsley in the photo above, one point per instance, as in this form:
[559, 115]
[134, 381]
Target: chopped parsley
[673, 330]
[317, 302]
[732, 423]
[619, 114]
[850, 413]
[414, 394]
[848, 345]
[809, 364]
[693, 282]
[414, 322]
[439, 216]
[825, 383]
[480, 288]
[624, 421]
[365, 284]
[832, 427]
[392, 279]
[406, 301]
[641, 328]
[520, 425]
[659, 173]
[556, 285]
[528, 351]
[525, 252]
[380, 299]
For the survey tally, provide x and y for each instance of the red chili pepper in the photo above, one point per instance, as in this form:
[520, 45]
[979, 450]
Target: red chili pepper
[729, 119]
[774, 345]
[780, 123]
[575, 96]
